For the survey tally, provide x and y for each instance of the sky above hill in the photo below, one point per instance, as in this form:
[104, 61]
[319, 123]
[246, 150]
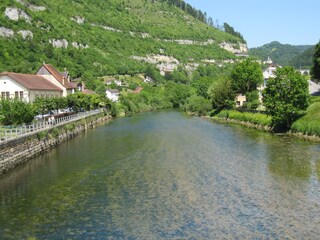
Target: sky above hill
[293, 22]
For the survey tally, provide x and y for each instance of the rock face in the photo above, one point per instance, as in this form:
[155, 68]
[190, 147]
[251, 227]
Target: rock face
[15, 14]
[79, 45]
[234, 47]
[78, 19]
[106, 27]
[164, 63]
[26, 34]
[35, 8]
[59, 43]
[6, 32]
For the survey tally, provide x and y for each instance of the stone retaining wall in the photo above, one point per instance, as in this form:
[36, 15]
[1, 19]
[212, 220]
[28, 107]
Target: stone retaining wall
[23, 149]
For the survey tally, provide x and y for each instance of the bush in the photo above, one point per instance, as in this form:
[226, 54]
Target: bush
[254, 118]
[198, 105]
[15, 112]
[309, 124]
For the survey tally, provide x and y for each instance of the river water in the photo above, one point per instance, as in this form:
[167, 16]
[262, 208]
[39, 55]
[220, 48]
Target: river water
[164, 175]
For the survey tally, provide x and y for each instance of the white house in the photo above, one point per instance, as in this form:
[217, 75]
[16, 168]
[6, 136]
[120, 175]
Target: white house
[148, 80]
[314, 88]
[113, 94]
[27, 87]
[240, 100]
[268, 73]
[61, 80]
[117, 82]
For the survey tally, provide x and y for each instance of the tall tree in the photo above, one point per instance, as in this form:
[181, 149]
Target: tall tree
[230, 30]
[286, 97]
[221, 93]
[315, 70]
[246, 76]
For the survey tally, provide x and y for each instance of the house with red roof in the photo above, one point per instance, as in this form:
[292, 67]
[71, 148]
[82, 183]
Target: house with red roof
[61, 80]
[27, 87]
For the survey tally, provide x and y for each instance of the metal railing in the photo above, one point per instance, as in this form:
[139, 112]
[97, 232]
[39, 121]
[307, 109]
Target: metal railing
[11, 132]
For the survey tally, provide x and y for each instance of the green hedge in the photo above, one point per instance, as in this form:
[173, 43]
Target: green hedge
[309, 124]
[254, 118]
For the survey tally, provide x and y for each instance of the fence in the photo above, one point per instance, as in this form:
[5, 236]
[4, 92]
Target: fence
[11, 132]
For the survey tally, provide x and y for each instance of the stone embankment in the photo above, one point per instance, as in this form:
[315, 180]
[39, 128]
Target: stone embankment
[21, 150]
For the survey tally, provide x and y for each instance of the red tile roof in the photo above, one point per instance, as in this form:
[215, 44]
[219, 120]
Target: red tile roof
[32, 82]
[137, 90]
[88, 91]
[59, 76]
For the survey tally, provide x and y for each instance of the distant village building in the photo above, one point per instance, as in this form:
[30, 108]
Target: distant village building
[113, 94]
[314, 88]
[269, 73]
[305, 72]
[81, 87]
[62, 80]
[148, 79]
[240, 100]
[27, 87]
[137, 90]
[269, 61]
[117, 82]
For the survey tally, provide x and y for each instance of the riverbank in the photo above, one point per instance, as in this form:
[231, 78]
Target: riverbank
[259, 121]
[24, 148]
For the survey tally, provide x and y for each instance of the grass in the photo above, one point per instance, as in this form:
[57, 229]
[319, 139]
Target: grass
[254, 118]
[309, 124]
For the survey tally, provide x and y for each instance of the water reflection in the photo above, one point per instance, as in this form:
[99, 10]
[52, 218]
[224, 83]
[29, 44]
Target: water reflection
[288, 159]
[163, 175]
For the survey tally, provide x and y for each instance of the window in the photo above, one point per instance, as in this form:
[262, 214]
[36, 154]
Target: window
[16, 94]
[21, 94]
[5, 95]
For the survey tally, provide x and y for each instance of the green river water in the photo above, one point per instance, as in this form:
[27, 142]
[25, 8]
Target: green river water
[165, 175]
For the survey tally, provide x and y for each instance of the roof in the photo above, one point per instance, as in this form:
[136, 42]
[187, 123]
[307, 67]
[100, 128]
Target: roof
[137, 90]
[32, 82]
[88, 91]
[113, 90]
[57, 75]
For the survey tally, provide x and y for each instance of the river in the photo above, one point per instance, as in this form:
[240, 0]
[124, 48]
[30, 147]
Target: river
[165, 175]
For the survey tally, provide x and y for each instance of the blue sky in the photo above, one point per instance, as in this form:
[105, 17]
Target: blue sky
[295, 22]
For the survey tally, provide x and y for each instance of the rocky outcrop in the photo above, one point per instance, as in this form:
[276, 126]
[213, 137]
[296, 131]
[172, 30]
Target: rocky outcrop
[59, 43]
[26, 34]
[78, 19]
[6, 32]
[234, 47]
[145, 35]
[79, 45]
[15, 14]
[35, 8]
[164, 63]
[106, 27]
[189, 42]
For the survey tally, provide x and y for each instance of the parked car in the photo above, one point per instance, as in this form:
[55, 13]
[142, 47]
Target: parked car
[43, 116]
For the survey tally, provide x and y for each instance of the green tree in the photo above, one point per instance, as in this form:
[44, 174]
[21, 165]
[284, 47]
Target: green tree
[315, 70]
[198, 105]
[154, 73]
[246, 76]
[286, 97]
[202, 85]
[15, 112]
[221, 93]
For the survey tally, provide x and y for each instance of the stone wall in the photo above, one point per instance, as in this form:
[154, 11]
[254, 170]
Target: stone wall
[23, 149]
